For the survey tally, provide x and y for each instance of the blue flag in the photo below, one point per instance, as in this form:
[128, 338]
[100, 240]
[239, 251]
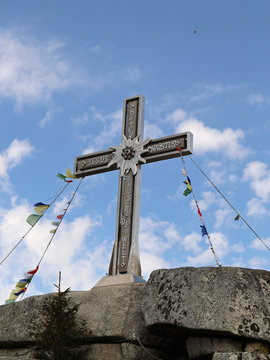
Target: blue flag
[204, 231]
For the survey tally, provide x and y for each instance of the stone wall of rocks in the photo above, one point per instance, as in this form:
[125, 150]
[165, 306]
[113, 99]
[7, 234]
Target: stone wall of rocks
[179, 314]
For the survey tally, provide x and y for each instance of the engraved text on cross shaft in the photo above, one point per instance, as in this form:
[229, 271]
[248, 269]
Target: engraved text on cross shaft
[128, 156]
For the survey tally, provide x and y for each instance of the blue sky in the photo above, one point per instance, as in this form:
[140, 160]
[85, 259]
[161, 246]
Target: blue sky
[65, 69]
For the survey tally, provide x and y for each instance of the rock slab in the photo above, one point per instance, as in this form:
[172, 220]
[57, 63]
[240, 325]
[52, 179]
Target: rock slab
[112, 313]
[239, 356]
[200, 346]
[226, 301]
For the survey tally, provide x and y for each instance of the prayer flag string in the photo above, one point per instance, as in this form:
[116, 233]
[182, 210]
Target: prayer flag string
[188, 191]
[57, 224]
[40, 209]
[21, 286]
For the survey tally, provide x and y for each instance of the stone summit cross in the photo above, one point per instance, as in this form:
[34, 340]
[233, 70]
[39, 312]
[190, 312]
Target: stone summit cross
[128, 156]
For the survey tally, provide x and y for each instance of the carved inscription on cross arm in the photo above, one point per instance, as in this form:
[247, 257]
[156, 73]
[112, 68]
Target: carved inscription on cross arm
[158, 149]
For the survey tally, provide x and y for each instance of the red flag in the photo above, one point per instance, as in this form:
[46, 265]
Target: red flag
[59, 217]
[199, 212]
[33, 271]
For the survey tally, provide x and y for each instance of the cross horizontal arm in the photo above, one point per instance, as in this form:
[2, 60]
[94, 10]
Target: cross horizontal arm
[165, 147]
[157, 149]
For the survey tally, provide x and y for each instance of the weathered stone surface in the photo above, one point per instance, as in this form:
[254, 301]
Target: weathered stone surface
[198, 346]
[124, 351]
[257, 347]
[99, 351]
[111, 312]
[239, 356]
[114, 312]
[10, 354]
[221, 301]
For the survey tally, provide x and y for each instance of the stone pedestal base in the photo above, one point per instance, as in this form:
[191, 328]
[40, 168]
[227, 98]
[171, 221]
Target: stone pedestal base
[119, 279]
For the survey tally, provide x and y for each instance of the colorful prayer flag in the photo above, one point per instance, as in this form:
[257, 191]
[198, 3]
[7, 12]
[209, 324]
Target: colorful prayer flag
[53, 231]
[69, 174]
[33, 219]
[204, 231]
[199, 211]
[12, 296]
[21, 284]
[188, 184]
[20, 287]
[187, 192]
[31, 272]
[10, 301]
[56, 223]
[184, 172]
[40, 204]
[41, 208]
[59, 217]
[20, 292]
[61, 176]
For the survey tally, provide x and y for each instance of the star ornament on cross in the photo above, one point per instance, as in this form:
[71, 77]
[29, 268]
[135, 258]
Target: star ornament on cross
[128, 157]
[128, 154]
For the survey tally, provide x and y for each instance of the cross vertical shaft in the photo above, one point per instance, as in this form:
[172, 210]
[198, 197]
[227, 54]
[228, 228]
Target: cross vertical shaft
[125, 256]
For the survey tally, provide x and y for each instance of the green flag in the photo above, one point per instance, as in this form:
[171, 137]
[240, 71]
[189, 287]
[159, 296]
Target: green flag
[187, 192]
[61, 176]
[33, 219]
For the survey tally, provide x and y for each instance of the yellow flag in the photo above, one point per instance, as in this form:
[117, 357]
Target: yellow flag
[53, 231]
[40, 209]
[21, 284]
[69, 174]
[12, 296]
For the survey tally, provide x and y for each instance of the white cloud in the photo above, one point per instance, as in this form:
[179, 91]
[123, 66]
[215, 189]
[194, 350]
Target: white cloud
[131, 73]
[151, 262]
[239, 247]
[221, 216]
[218, 177]
[207, 139]
[208, 198]
[257, 174]
[191, 242]
[31, 72]
[153, 131]
[48, 117]
[238, 262]
[258, 245]
[111, 128]
[258, 99]
[156, 237]
[89, 150]
[258, 262]
[232, 178]
[221, 247]
[207, 91]
[13, 155]
[256, 207]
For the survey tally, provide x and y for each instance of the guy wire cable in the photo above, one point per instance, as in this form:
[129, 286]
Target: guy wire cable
[238, 214]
